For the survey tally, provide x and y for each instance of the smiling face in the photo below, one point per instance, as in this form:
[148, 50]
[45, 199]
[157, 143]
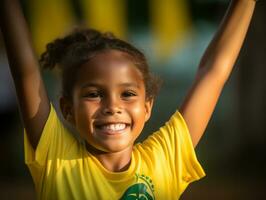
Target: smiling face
[109, 108]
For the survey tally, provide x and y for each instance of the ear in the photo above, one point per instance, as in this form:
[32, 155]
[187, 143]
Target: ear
[67, 110]
[148, 109]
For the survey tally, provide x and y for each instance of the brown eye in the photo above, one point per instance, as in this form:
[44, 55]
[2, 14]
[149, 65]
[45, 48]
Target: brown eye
[128, 94]
[93, 94]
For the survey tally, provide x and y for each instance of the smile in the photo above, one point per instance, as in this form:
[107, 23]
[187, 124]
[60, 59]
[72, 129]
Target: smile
[112, 128]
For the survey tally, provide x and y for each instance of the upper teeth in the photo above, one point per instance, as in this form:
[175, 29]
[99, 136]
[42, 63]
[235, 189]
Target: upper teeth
[114, 127]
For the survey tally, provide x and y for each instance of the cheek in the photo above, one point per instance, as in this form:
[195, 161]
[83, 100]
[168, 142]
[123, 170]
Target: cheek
[138, 110]
[84, 113]
[138, 113]
[85, 108]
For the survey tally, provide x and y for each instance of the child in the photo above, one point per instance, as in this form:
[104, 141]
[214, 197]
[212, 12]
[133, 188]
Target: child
[107, 97]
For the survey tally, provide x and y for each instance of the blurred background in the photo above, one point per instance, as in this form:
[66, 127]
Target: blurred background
[173, 34]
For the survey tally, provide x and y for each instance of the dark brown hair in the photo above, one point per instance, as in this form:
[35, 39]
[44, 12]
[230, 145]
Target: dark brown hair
[81, 45]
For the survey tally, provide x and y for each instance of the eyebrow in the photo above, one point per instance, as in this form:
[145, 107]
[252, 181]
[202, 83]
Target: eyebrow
[127, 84]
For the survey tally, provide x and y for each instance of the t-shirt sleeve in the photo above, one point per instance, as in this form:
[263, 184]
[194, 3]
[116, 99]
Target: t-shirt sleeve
[171, 145]
[54, 142]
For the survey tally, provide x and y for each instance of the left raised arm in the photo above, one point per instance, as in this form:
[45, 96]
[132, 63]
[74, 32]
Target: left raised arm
[215, 67]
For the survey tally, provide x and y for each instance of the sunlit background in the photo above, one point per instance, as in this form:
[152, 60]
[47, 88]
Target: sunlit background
[173, 34]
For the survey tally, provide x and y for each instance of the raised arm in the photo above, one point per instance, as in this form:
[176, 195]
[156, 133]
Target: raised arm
[215, 67]
[32, 97]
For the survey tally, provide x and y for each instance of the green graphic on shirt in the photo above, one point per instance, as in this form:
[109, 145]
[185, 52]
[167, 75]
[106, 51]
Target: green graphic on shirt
[142, 190]
[137, 192]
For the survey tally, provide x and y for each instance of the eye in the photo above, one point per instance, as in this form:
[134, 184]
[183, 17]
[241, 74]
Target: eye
[92, 94]
[128, 94]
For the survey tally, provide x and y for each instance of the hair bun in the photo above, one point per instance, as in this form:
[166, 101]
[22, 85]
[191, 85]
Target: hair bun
[57, 50]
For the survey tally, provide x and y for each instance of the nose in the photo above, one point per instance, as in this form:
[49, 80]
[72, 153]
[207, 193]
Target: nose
[111, 106]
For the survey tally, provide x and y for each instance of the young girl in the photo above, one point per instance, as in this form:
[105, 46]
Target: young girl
[107, 97]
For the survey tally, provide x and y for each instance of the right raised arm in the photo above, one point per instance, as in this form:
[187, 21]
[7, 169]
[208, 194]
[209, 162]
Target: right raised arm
[32, 97]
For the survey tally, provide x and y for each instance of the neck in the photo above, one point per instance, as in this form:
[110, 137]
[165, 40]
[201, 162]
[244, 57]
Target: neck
[112, 161]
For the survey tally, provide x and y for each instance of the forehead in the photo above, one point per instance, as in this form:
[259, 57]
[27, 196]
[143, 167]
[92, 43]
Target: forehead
[110, 67]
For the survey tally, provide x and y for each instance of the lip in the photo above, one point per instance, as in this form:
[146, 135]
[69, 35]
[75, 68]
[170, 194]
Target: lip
[102, 131]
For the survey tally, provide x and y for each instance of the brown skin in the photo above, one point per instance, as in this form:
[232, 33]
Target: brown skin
[197, 107]
[32, 97]
[109, 90]
[215, 67]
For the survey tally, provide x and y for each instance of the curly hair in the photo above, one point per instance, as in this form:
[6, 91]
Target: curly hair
[80, 46]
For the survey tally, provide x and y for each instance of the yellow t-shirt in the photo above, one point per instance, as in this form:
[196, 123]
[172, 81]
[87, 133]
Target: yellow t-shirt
[161, 167]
